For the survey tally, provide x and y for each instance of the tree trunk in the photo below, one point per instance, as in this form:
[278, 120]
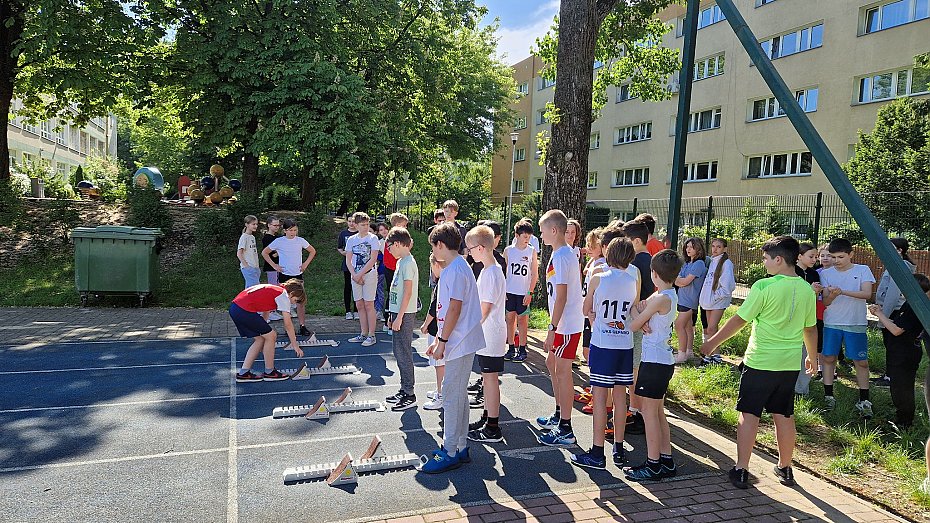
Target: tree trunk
[10, 36]
[308, 189]
[368, 186]
[250, 165]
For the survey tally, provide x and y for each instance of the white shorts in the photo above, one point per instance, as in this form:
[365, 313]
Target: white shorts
[367, 290]
[433, 362]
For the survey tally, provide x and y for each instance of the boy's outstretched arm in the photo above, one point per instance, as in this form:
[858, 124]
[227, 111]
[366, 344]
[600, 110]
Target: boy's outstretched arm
[729, 329]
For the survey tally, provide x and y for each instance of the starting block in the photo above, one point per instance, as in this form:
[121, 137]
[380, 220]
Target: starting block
[348, 470]
[322, 410]
[309, 342]
[325, 367]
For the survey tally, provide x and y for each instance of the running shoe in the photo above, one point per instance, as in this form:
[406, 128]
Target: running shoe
[304, 331]
[785, 475]
[358, 339]
[477, 425]
[477, 402]
[396, 397]
[369, 341]
[739, 478]
[865, 408]
[548, 422]
[557, 437]
[275, 375]
[589, 460]
[248, 376]
[643, 473]
[486, 435]
[584, 396]
[511, 352]
[434, 404]
[476, 386]
[521, 356]
[438, 461]
[408, 401]
[829, 403]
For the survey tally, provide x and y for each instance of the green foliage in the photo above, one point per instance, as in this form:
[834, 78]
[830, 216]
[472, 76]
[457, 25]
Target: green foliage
[11, 204]
[751, 273]
[529, 207]
[107, 175]
[281, 197]
[469, 184]
[595, 216]
[223, 225]
[315, 224]
[775, 221]
[52, 223]
[57, 187]
[77, 176]
[847, 230]
[146, 210]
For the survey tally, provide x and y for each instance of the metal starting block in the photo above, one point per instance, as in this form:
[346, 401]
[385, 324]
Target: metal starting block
[348, 470]
[325, 367]
[309, 342]
[322, 410]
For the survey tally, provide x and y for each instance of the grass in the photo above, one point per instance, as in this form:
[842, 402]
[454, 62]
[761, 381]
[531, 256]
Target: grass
[46, 280]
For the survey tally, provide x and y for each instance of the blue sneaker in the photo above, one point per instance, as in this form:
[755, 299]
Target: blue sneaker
[511, 352]
[589, 460]
[463, 456]
[440, 461]
[557, 438]
[548, 422]
[643, 473]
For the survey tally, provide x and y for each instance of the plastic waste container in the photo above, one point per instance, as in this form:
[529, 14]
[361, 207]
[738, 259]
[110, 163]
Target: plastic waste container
[115, 260]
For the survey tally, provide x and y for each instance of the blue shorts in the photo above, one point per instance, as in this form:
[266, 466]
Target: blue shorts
[250, 324]
[856, 343]
[610, 367]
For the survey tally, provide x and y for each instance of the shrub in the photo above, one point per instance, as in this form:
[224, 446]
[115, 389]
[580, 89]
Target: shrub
[57, 187]
[10, 204]
[751, 273]
[223, 225]
[281, 197]
[596, 216]
[107, 175]
[313, 224]
[847, 230]
[53, 222]
[146, 210]
[20, 184]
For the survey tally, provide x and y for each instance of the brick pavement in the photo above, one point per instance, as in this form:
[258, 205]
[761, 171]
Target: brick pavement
[709, 498]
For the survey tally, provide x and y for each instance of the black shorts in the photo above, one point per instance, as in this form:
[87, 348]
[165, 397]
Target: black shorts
[652, 380]
[694, 316]
[515, 304]
[490, 364]
[249, 324]
[284, 277]
[772, 390]
[586, 333]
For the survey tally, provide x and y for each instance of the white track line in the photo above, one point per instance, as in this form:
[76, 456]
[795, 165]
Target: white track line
[232, 492]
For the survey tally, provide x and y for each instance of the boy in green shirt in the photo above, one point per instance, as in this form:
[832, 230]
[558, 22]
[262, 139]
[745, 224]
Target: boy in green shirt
[782, 310]
[402, 305]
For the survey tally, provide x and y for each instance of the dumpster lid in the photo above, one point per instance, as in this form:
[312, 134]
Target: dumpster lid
[121, 232]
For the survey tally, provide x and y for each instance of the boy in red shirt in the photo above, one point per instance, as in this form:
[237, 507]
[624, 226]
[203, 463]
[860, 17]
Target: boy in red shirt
[246, 312]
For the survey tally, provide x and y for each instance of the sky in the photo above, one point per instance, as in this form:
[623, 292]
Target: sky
[521, 22]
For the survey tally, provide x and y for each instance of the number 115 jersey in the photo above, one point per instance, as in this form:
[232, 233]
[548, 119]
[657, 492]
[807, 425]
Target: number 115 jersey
[517, 271]
[615, 293]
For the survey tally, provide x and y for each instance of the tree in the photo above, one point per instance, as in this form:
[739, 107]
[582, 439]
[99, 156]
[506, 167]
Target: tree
[72, 60]
[895, 158]
[625, 37]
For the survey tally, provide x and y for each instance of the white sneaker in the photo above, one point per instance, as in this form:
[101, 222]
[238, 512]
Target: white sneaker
[385, 328]
[358, 339]
[354, 315]
[274, 316]
[433, 394]
[349, 316]
[369, 341]
[434, 404]
[865, 408]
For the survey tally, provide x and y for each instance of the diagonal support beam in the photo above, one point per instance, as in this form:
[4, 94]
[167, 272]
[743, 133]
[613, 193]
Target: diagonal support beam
[877, 236]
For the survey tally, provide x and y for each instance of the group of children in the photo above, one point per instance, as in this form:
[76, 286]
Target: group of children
[620, 307]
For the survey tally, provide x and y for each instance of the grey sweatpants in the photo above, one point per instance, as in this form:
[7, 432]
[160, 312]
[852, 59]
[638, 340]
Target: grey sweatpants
[802, 386]
[455, 403]
[403, 352]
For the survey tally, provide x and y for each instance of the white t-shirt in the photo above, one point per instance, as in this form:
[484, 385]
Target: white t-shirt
[458, 282]
[615, 293]
[845, 310]
[362, 249]
[290, 254]
[247, 242]
[519, 265]
[589, 271]
[563, 269]
[492, 289]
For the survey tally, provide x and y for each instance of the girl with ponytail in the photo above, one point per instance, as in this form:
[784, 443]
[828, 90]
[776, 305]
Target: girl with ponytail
[717, 292]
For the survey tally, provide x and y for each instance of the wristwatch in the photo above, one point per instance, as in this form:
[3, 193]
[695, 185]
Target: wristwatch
[551, 327]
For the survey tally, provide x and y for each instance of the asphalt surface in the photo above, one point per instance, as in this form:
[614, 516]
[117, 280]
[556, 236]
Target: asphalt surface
[159, 431]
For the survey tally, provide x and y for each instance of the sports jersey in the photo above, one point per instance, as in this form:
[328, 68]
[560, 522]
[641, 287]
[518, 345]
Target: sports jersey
[263, 298]
[518, 269]
[615, 293]
[656, 348]
[589, 271]
[563, 270]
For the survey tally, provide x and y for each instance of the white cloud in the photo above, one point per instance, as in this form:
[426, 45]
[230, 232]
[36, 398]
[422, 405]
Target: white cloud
[515, 41]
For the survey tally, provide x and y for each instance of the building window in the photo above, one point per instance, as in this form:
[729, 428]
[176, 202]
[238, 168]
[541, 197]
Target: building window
[62, 170]
[767, 108]
[539, 184]
[708, 16]
[623, 93]
[760, 3]
[84, 142]
[705, 120]
[517, 186]
[62, 136]
[541, 117]
[884, 86]
[595, 140]
[592, 180]
[782, 164]
[701, 172]
[708, 67]
[892, 14]
[519, 155]
[524, 88]
[520, 123]
[633, 133]
[631, 177]
[545, 83]
[28, 159]
[810, 37]
[46, 128]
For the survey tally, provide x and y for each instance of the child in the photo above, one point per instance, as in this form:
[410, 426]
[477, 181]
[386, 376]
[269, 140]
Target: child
[459, 337]
[522, 273]
[402, 304]
[290, 264]
[782, 310]
[596, 263]
[272, 227]
[825, 261]
[477, 265]
[689, 283]
[361, 256]
[638, 233]
[845, 287]
[245, 311]
[572, 236]
[807, 257]
[534, 241]
[610, 295]
[346, 275]
[479, 242]
[450, 209]
[386, 266]
[430, 327]
[899, 334]
[563, 285]
[653, 244]
[657, 367]
[888, 296]
[716, 292]
[248, 253]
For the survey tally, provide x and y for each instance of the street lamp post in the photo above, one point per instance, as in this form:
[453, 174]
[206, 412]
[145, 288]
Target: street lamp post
[513, 161]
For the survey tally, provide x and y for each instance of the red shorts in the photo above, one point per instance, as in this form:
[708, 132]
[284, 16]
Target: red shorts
[565, 346]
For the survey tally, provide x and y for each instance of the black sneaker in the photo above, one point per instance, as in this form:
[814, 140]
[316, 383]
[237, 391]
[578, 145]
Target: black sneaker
[818, 376]
[478, 401]
[510, 353]
[486, 435]
[739, 478]
[520, 356]
[477, 425]
[635, 424]
[785, 476]
[476, 386]
[275, 375]
[248, 376]
[643, 472]
[407, 401]
[882, 381]
[304, 331]
[396, 397]
[619, 457]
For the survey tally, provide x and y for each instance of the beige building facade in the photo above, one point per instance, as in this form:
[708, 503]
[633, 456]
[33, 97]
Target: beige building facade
[844, 59]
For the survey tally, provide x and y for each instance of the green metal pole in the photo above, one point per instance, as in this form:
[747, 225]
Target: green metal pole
[876, 236]
[685, 79]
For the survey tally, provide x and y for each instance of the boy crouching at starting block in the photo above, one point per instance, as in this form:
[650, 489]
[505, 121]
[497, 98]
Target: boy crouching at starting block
[246, 312]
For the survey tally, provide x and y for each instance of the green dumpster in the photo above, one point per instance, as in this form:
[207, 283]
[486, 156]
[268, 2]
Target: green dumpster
[115, 260]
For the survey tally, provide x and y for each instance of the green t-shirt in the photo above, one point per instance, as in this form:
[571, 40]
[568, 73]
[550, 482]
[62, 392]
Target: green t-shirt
[406, 270]
[779, 307]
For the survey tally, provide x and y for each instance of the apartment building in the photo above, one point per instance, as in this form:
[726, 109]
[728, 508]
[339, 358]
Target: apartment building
[59, 146]
[844, 59]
